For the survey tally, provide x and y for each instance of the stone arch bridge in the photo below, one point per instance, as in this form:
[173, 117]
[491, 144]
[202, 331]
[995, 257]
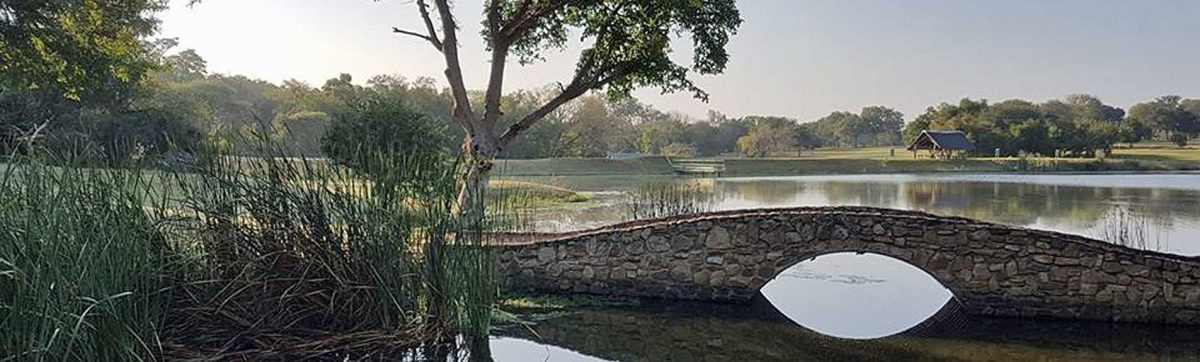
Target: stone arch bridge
[991, 269]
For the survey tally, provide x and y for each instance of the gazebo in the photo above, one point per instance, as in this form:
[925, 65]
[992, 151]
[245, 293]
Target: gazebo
[941, 144]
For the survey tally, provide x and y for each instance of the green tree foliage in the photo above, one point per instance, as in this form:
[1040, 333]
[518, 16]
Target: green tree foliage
[1169, 118]
[593, 131]
[84, 50]
[873, 126]
[375, 131]
[1078, 125]
[628, 46]
[767, 136]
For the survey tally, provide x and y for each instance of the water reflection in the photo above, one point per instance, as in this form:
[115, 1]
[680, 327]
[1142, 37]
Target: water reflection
[716, 332]
[855, 296]
[1079, 204]
[521, 350]
[844, 297]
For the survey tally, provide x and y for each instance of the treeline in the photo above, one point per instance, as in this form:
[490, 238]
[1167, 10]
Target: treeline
[176, 105]
[1075, 126]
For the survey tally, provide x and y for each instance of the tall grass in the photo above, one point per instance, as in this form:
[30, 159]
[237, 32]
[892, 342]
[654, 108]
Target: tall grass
[83, 264]
[307, 260]
[658, 200]
[238, 260]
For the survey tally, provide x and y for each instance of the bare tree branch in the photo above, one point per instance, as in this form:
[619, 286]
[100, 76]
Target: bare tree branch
[433, 37]
[462, 103]
[419, 35]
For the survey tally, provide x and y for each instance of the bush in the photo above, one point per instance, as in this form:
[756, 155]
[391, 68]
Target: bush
[378, 128]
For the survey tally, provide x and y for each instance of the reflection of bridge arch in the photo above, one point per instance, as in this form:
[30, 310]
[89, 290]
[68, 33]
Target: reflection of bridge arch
[991, 269]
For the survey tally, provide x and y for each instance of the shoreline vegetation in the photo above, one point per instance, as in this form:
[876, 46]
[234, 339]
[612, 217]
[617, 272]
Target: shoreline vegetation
[229, 260]
[875, 160]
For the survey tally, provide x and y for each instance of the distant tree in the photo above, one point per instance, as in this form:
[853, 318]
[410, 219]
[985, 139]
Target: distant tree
[679, 150]
[302, 131]
[157, 121]
[592, 131]
[805, 138]
[654, 136]
[766, 138]
[543, 140]
[185, 66]
[1166, 118]
[918, 125]
[884, 124]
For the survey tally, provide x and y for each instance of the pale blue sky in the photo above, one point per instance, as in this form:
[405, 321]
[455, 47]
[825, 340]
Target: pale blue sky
[795, 58]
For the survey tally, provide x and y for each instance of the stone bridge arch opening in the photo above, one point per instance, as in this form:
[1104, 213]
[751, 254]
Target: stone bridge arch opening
[857, 295]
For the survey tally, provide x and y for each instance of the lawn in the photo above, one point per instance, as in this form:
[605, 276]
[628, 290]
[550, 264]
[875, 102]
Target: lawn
[1141, 157]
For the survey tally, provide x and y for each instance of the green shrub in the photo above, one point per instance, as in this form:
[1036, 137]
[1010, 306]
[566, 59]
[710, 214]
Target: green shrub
[376, 129]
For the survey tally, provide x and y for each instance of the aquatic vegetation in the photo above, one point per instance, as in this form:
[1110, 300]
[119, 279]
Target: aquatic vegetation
[83, 264]
[235, 260]
[1123, 226]
[657, 200]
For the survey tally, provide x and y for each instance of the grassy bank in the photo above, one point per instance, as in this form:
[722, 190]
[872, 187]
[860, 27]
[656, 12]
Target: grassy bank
[584, 167]
[869, 161]
[526, 194]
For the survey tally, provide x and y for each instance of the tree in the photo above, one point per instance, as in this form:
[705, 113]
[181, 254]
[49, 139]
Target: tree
[185, 66]
[653, 137]
[629, 46]
[1167, 118]
[377, 131]
[89, 51]
[766, 138]
[679, 150]
[592, 130]
[884, 123]
[805, 138]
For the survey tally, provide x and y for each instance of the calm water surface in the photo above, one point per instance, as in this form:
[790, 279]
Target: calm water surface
[838, 306]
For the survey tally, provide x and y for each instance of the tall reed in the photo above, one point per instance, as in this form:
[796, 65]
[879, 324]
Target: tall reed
[230, 258]
[305, 259]
[658, 200]
[83, 263]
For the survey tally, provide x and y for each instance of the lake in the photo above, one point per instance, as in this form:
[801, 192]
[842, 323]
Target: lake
[847, 306]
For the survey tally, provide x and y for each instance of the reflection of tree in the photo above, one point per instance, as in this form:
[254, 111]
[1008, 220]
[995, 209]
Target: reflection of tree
[687, 331]
[1025, 204]
[764, 192]
[862, 193]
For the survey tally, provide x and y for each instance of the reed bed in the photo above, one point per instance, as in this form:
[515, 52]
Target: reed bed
[274, 259]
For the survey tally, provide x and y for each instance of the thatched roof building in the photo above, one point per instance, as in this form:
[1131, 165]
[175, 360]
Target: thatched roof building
[942, 143]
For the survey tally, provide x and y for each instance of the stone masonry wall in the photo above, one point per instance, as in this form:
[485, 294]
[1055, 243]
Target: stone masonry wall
[991, 269]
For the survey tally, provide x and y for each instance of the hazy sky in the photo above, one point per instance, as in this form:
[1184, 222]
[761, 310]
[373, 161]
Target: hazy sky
[795, 58]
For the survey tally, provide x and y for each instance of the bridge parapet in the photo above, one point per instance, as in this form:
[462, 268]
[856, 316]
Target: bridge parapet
[991, 269]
